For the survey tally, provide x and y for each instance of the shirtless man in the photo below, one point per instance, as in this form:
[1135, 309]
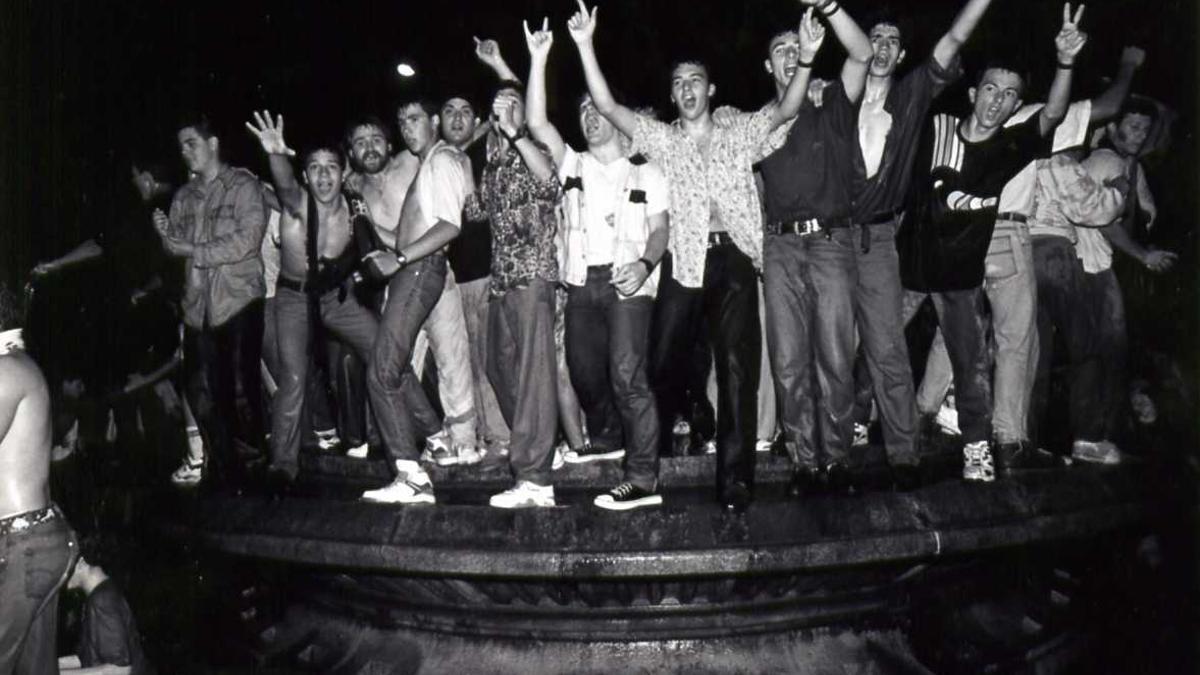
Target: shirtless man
[36, 543]
[429, 219]
[314, 274]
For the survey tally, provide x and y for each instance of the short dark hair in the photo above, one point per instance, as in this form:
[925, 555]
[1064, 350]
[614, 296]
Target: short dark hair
[692, 61]
[198, 121]
[366, 121]
[12, 309]
[463, 96]
[426, 104]
[586, 95]
[322, 146]
[1137, 105]
[1006, 66]
[502, 85]
[888, 16]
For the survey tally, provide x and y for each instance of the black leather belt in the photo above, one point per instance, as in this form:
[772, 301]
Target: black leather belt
[607, 267]
[1012, 217]
[291, 284]
[806, 226]
[719, 239]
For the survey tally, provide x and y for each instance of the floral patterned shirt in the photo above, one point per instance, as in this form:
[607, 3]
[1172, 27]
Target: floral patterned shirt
[722, 180]
[524, 219]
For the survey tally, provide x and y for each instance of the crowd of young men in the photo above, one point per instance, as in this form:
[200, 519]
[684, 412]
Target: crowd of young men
[661, 234]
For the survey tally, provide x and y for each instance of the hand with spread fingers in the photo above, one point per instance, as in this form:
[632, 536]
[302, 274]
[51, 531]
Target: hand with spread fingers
[1070, 39]
[270, 134]
[582, 24]
[539, 41]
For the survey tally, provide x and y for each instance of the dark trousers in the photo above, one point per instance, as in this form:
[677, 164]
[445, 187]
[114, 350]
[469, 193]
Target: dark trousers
[33, 568]
[857, 286]
[724, 311]
[608, 338]
[1087, 313]
[403, 411]
[348, 374]
[963, 318]
[349, 322]
[223, 364]
[521, 365]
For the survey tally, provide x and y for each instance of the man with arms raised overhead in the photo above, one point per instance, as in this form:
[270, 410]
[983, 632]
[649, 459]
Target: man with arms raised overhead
[716, 244]
[37, 545]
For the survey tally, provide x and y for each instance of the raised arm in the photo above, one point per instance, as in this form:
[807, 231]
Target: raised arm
[857, 45]
[539, 42]
[1108, 104]
[538, 163]
[812, 34]
[960, 31]
[582, 26]
[1067, 44]
[270, 135]
[488, 51]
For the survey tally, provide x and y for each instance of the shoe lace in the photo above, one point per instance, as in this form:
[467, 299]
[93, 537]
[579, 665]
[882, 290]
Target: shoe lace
[623, 490]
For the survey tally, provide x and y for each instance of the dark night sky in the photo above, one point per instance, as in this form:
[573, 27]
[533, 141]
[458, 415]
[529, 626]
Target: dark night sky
[84, 84]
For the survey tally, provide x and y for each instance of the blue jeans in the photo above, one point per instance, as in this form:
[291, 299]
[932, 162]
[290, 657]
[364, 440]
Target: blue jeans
[608, 340]
[407, 413]
[33, 567]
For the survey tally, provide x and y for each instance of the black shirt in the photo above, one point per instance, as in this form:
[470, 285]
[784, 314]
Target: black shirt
[945, 237]
[108, 634]
[470, 253]
[908, 103]
[819, 168]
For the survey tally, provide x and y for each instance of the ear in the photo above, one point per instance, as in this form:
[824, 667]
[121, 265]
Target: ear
[1017, 107]
[214, 144]
[900, 57]
[767, 67]
[436, 121]
[971, 95]
[712, 90]
[477, 120]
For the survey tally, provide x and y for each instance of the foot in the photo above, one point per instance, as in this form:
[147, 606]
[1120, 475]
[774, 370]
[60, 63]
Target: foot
[327, 440]
[1096, 452]
[1020, 456]
[467, 455]
[592, 453]
[947, 420]
[977, 463]
[737, 497]
[627, 496]
[438, 450]
[411, 486]
[805, 482]
[188, 474]
[359, 451]
[839, 480]
[862, 436]
[524, 495]
[494, 454]
[906, 477]
[762, 445]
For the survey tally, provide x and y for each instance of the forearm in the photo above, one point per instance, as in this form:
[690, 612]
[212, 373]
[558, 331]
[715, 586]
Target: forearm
[656, 243]
[1058, 100]
[286, 187]
[434, 239]
[602, 97]
[502, 71]
[1120, 238]
[88, 250]
[960, 31]
[539, 163]
[793, 96]
[858, 52]
[540, 126]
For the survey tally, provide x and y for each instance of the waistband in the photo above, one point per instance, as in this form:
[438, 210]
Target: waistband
[883, 217]
[292, 284]
[598, 269]
[1012, 217]
[719, 239]
[806, 226]
[23, 521]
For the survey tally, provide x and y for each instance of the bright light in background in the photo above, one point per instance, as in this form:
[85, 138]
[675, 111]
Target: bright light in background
[405, 70]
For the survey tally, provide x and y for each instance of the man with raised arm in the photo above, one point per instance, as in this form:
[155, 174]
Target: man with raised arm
[615, 210]
[972, 160]
[858, 277]
[809, 181]
[216, 225]
[429, 220]
[518, 193]
[715, 244]
[322, 240]
[37, 545]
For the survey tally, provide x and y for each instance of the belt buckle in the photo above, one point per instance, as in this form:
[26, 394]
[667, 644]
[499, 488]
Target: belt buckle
[810, 226]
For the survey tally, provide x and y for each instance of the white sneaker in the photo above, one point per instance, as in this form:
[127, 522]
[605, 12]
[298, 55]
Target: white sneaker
[762, 445]
[467, 455]
[523, 495]
[188, 474]
[947, 419]
[681, 428]
[710, 447]
[977, 462]
[1099, 452]
[861, 435]
[560, 456]
[439, 451]
[359, 451]
[327, 440]
[411, 486]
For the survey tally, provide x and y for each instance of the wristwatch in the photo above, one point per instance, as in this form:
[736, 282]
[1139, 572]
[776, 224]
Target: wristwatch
[400, 258]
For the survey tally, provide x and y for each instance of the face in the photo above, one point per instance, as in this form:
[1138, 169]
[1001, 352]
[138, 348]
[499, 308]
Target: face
[323, 173]
[997, 97]
[417, 128]
[885, 40]
[596, 127]
[691, 90]
[198, 152]
[458, 121]
[143, 182]
[514, 98]
[782, 56]
[1129, 135]
[369, 148]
